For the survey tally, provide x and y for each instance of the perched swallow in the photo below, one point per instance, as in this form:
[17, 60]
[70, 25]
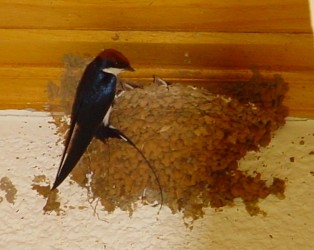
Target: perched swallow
[94, 97]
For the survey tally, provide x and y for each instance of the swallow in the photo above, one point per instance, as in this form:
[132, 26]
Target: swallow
[92, 104]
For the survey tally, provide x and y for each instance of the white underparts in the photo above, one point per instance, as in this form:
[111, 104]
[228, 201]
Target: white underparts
[114, 71]
[107, 116]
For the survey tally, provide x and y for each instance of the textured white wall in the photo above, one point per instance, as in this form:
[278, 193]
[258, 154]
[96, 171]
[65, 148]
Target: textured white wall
[29, 147]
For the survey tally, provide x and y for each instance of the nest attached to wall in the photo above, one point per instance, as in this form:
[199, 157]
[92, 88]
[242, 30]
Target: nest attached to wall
[192, 136]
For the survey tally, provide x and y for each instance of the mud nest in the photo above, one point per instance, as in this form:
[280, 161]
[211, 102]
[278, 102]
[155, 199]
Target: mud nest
[192, 136]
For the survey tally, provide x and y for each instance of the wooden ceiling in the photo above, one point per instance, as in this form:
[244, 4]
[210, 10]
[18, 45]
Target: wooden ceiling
[188, 41]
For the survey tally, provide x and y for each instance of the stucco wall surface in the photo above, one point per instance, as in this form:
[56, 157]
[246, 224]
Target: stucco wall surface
[30, 147]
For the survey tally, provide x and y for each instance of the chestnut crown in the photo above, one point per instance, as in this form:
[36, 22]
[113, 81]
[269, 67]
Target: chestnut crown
[113, 59]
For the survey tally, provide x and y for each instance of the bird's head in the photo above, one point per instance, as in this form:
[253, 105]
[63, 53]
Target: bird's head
[114, 62]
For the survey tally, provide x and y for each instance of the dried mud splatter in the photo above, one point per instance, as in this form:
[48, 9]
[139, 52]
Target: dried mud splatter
[8, 187]
[41, 185]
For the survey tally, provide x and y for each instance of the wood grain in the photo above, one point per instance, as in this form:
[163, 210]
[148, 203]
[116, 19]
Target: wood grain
[167, 15]
[165, 49]
[197, 42]
[25, 87]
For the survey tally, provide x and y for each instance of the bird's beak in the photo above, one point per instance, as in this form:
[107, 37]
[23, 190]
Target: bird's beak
[129, 69]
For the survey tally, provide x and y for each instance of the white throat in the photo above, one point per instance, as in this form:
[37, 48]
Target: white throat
[114, 71]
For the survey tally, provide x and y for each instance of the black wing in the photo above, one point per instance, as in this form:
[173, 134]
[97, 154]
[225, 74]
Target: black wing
[95, 94]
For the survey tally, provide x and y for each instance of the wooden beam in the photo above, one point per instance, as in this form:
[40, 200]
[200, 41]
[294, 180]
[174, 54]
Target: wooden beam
[283, 52]
[26, 87]
[196, 42]
[290, 16]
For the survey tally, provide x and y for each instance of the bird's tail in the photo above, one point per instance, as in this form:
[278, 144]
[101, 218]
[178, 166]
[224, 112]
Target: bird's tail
[105, 132]
[81, 140]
